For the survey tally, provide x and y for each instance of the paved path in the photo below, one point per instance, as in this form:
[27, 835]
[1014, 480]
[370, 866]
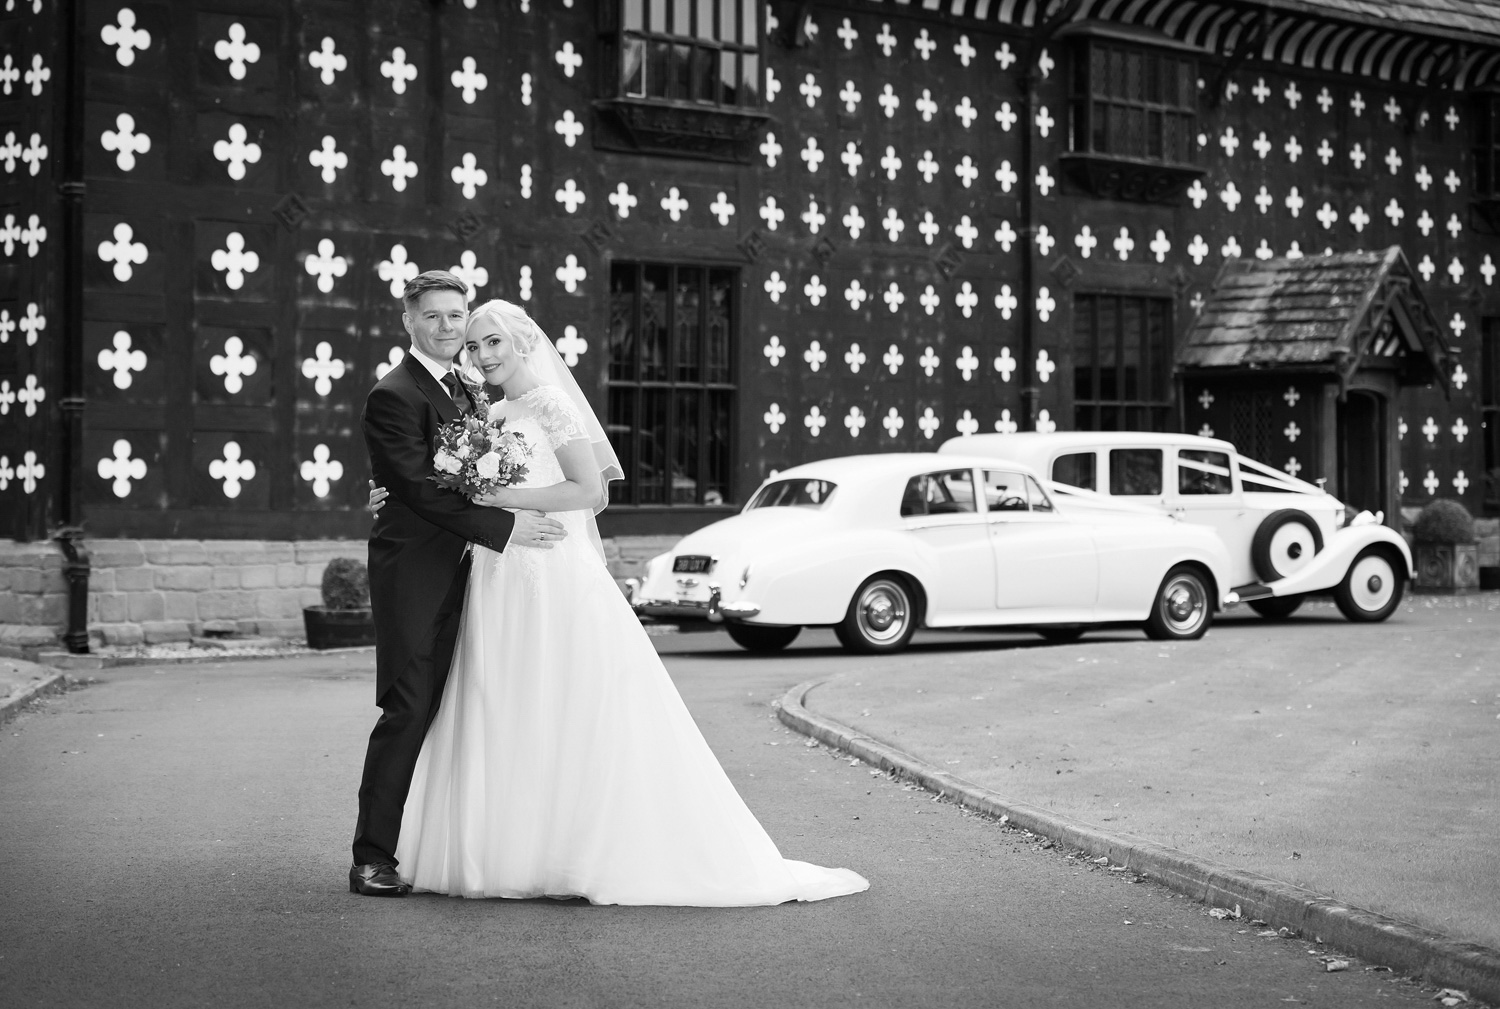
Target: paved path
[178, 836]
[1371, 752]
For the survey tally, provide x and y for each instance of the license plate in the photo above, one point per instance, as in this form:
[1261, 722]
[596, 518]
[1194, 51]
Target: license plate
[692, 564]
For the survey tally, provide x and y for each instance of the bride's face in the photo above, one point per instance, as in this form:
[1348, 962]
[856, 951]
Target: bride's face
[493, 352]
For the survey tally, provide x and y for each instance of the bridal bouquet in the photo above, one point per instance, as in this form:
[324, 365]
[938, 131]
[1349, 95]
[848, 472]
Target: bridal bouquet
[476, 456]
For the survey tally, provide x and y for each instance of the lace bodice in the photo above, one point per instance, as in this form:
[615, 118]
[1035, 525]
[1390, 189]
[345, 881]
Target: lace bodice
[549, 420]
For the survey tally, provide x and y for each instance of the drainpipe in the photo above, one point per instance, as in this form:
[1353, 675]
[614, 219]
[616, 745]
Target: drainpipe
[70, 192]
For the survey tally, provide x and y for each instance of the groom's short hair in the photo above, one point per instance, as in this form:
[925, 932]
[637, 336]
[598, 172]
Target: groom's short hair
[432, 280]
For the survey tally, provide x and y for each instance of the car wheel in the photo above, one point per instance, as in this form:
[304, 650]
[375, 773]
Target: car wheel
[1371, 589]
[1060, 635]
[881, 617]
[1285, 543]
[1183, 609]
[757, 638]
[1276, 607]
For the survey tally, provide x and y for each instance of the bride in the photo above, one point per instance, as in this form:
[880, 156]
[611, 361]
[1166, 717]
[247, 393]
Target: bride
[562, 762]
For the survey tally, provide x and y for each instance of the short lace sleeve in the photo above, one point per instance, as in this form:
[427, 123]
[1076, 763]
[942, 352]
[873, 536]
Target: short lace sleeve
[556, 416]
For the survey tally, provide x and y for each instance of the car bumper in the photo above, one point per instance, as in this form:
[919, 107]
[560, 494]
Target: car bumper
[711, 609]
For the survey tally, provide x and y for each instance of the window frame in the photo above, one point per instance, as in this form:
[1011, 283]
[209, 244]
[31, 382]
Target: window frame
[1088, 100]
[619, 36]
[1089, 411]
[626, 493]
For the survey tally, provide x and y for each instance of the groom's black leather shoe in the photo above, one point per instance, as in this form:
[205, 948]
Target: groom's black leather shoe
[377, 880]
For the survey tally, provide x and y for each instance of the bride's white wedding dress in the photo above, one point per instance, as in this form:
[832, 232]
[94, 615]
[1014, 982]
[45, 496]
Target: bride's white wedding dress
[562, 761]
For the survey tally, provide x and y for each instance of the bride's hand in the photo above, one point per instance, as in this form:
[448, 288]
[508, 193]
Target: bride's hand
[499, 498]
[377, 498]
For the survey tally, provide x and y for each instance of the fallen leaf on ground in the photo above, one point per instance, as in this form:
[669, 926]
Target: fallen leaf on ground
[1451, 996]
[1269, 933]
[1117, 868]
[1332, 966]
[810, 743]
[1285, 933]
[1102, 860]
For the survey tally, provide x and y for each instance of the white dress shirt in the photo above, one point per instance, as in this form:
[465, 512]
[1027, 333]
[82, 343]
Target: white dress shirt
[434, 367]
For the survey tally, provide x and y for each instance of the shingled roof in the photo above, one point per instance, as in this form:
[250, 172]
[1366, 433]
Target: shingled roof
[1331, 314]
[1448, 17]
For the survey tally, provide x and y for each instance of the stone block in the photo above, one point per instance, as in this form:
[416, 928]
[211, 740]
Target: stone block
[54, 581]
[51, 608]
[226, 577]
[311, 597]
[233, 552]
[101, 580]
[226, 605]
[5, 579]
[289, 575]
[187, 552]
[323, 551]
[313, 575]
[192, 578]
[26, 581]
[10, 608]
[157, 551]
[258, 576]
[277, 604]
[247, 627]
[278, 553]
[29, 635]
[115, 553]
[26, 555]
[146, 606]
[285, 628]
[109, 607]
[120, 634]
[158, 632]
[180, 605]
[136, 579]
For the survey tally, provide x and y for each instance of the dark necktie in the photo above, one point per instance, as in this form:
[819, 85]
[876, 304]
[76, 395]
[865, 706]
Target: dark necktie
[461, 399]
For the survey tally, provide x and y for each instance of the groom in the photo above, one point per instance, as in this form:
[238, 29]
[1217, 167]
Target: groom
[419, 562]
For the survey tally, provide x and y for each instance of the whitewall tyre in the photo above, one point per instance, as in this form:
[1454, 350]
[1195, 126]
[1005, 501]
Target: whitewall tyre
[1371, 589]
[1183, 607]
[881, 617]
[1286, 542]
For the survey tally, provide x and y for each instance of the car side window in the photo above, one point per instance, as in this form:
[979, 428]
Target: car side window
[1040, 502]
[947, 493]
[1135, 472]
[1005, 491]
[1200, 472]
[1076, 469]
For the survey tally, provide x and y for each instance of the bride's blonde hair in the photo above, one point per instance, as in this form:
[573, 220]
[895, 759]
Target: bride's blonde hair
[512, 321]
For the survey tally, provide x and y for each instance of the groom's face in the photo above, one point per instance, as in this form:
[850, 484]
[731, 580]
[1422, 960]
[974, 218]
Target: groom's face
[436, 324]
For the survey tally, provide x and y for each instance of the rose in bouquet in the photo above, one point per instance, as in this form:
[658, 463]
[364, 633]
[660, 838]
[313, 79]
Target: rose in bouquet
[476, 456]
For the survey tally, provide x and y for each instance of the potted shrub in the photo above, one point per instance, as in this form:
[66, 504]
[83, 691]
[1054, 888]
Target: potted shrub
[344, 620]
[1447, 557]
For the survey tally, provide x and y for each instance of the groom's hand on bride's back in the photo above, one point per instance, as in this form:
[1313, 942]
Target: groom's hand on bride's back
[535, 529]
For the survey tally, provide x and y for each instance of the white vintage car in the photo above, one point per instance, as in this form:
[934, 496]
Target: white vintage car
[875, 546]
[1287, 538]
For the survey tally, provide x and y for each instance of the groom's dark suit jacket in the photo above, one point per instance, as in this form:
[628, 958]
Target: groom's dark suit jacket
[418, 539]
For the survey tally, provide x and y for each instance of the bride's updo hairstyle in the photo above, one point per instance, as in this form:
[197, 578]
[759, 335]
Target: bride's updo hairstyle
[512, 321]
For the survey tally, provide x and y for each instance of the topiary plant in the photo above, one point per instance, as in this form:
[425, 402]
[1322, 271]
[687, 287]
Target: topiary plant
[346, 585]
[1444, 521]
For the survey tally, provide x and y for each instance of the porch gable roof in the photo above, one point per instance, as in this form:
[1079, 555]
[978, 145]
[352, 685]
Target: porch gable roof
[1324, 314]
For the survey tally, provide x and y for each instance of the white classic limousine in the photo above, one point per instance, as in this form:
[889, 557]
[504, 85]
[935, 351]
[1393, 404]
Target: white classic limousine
[875, 546]
[1286, 538]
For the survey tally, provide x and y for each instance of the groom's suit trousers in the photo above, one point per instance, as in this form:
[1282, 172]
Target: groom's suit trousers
[408, 707]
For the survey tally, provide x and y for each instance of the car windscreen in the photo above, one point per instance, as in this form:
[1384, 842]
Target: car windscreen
[794, 494]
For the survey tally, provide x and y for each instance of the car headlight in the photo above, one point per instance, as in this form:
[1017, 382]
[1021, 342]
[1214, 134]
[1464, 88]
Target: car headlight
[745, 576]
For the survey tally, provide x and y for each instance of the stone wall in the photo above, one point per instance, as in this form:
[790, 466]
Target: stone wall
[154, 591]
